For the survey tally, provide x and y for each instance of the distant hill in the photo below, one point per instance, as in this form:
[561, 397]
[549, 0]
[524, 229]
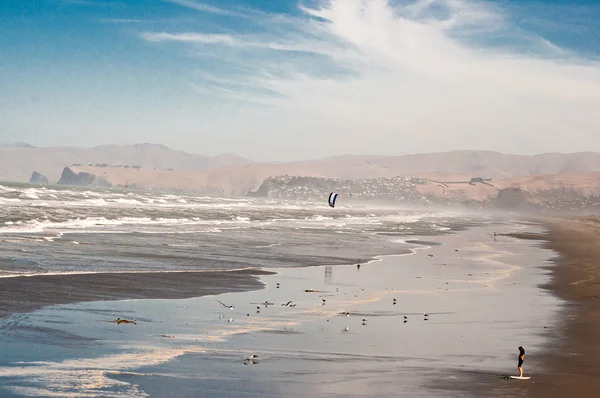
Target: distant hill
[16, 145]
[487, 164]
[157, 166]
[19, 161]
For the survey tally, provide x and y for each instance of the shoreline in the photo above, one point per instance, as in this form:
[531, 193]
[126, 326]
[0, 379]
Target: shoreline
[42, 290]
[573, 345]
[575, 279]
[456, 283]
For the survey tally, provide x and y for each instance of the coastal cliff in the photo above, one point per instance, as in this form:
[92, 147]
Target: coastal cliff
[565, 192]
[69, 177]
[37, 178]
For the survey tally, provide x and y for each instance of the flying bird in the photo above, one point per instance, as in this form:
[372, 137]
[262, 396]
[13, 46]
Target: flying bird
[225, 305]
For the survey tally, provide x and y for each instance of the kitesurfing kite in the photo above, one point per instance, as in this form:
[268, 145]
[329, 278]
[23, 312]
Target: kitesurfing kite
[332, 198]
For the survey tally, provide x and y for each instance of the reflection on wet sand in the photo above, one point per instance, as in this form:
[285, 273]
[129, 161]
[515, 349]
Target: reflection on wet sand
[392, 327]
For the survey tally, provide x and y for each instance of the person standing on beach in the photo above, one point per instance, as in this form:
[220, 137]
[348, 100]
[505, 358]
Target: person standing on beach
[521, 359]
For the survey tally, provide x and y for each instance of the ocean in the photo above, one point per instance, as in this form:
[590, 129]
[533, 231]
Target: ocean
[61, 230]
[74, 260]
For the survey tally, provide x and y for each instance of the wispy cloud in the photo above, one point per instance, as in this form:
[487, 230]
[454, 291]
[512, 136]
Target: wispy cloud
[435, 73]
[191, 38]
[238, 41]
[203, 7]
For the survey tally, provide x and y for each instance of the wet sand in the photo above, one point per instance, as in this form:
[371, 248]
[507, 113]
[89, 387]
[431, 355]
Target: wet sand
[572, 365]
[23, 294]
[569, 366]
[477, 293]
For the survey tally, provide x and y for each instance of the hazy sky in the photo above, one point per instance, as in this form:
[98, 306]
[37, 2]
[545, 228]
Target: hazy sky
[285, 80]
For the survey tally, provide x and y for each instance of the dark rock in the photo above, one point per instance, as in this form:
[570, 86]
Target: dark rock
[37, 178]
[69, 177]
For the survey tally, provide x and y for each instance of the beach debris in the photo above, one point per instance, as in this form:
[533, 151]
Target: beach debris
[225, 305]
[120, 321]
[346, 329]
[315, 291]
[394, 302]
[324, 301]
[277, 285]
[345, 313]
[430, 255]
[167, 336]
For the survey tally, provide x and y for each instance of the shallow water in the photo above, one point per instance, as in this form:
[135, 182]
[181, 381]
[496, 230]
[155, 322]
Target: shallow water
[481, 296]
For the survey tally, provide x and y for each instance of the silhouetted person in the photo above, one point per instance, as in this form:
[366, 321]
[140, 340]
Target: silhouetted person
[521, 359]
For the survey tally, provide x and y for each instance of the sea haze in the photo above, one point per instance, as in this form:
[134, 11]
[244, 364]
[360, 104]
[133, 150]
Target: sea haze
[70, 231]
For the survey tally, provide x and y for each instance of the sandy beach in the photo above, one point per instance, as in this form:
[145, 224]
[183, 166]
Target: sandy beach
[481, 298]
[569, 363]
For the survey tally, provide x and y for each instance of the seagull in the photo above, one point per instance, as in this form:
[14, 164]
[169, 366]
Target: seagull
[346, 329]
[225, 305]
[251, 359]
[293, 305]
[286, 304]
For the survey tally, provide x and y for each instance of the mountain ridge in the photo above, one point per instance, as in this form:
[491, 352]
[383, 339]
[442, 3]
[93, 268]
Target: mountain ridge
[228, 173]
[18, 161]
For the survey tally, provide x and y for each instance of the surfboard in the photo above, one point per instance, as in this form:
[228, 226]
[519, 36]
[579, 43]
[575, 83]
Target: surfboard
[520, 378]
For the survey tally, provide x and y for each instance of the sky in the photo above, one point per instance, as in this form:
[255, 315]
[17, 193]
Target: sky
[290, 80]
